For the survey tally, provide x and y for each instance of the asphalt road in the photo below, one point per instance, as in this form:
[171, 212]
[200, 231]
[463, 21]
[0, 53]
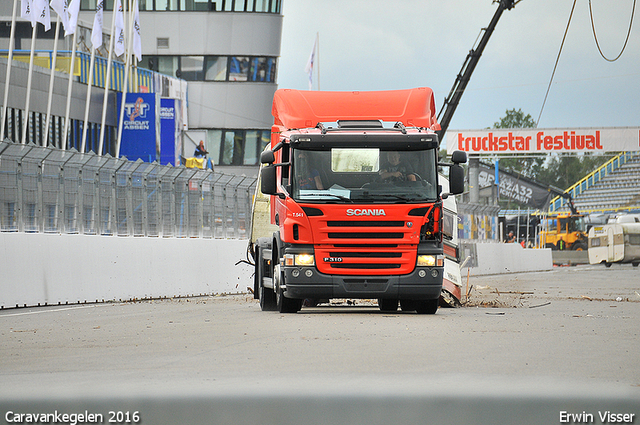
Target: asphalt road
[572, 326]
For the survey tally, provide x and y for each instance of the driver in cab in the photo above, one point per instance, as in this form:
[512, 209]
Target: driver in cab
[397, 170]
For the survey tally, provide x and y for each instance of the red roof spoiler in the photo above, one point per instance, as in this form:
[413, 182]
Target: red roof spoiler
[305, 109]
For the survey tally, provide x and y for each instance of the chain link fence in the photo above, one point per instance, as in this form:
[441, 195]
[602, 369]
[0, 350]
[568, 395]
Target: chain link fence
[47, 190]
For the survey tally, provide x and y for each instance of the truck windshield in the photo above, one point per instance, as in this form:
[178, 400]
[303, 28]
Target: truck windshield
[364, 175]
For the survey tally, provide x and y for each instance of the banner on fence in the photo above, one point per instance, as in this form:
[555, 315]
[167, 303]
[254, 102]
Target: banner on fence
[170, 127]
[141, 127]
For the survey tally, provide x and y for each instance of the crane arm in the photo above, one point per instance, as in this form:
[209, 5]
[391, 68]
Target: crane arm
[451, 102]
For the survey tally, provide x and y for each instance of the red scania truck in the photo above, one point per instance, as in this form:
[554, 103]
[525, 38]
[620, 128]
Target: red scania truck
[353, 201]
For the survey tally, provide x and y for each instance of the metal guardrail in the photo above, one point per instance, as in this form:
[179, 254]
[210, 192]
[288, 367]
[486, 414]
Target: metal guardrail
[153, 82]
[47, 190]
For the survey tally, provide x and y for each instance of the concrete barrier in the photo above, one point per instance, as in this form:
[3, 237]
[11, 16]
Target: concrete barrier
[43, 269]
[498, 258]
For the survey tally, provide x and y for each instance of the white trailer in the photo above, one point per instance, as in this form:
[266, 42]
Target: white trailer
[615, 243]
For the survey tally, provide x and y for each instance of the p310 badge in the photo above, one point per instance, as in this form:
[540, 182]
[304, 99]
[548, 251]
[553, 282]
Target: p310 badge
[332, 260]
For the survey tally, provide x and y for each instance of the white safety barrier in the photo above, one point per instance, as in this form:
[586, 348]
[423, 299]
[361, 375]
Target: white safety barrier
[500, 258]
[52, 269]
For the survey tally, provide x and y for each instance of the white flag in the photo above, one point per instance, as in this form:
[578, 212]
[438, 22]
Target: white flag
[60, 6]
[42, 13]
[26, 11]
[74, 10]
[96, 32]
[137, 40]
[309, 68]
[119, 33]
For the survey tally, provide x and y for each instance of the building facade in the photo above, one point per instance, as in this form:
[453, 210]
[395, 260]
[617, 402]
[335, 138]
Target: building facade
[227, 51]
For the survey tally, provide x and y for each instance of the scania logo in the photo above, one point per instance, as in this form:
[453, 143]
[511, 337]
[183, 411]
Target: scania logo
[358, 211]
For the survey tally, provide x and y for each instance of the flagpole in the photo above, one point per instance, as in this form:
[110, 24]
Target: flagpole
[88, 100]
[107, 81]
[51, 80]
[126, 81]
[72, 66]
[29, 78]
[9, 62]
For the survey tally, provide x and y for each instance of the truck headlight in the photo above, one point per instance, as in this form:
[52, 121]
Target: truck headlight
[430, 260]
[304, 260]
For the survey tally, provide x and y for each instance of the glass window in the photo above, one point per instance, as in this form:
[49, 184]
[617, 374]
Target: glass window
[191, 68]
[239, 5]
[252, 142]
[227, 5]
[215, 68]
[262, 6]
[88, 4]
[168, 65]
[231, 147]
[238, 68]
[166, 5]
[258, 71]
[214, 138]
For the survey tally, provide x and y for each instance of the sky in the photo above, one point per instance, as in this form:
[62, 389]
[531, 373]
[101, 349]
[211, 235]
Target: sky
[390, 45]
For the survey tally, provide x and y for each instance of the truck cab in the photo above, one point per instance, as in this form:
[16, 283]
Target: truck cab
[355, 207]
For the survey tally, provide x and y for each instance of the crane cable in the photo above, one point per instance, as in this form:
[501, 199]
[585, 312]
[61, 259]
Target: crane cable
[633, 12]
[558, 59]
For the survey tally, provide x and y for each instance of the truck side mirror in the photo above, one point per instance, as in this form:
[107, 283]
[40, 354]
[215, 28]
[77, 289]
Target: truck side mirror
[267, 157]
[268, 179]
[459, 157]
[456, 179]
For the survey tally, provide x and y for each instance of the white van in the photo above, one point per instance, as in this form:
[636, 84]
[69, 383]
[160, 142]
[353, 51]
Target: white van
[615, 243]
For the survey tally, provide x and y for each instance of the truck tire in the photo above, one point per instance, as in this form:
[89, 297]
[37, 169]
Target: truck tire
[283, 304]
[267, 299]
[265, 295]
[387, 305]
[427, 306]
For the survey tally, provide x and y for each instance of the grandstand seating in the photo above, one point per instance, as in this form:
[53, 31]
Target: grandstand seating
[617, 191]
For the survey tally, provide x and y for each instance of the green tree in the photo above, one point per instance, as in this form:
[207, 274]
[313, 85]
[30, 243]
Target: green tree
[529, 166]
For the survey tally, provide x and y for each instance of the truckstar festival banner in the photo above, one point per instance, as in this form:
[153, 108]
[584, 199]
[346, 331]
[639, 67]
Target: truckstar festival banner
[539, 140]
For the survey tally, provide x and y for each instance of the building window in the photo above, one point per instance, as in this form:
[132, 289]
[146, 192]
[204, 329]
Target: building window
[191, 68]
[262, 6]
[238, 68]
[236, 147]
[215, 68]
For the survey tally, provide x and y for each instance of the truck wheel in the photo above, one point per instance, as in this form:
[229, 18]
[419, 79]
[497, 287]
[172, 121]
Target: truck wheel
[265, 295]
[635, 264]
[284, 304]
[267, 299]
[387, 304]
[607, 264]
[427, 306]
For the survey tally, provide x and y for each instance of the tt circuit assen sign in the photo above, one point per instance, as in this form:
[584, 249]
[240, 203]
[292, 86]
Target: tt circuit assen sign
[538, 140]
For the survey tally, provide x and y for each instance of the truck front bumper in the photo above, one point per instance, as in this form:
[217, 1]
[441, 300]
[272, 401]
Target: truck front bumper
[425, 283]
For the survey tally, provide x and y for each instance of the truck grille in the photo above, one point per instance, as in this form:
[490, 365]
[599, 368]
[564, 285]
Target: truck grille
[365, 247]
